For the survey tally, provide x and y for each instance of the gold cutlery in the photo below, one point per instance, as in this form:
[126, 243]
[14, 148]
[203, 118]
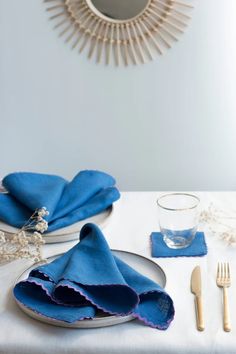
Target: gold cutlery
[223, 281]
[196, 288]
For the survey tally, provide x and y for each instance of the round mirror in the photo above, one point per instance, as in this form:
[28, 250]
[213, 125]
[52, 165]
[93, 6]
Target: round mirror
[120, 9]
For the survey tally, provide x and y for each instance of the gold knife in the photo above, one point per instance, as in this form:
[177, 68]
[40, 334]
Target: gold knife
[196, 288]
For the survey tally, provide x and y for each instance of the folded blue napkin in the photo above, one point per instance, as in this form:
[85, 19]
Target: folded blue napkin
[89, 193]
[89, 278]
[197, 248]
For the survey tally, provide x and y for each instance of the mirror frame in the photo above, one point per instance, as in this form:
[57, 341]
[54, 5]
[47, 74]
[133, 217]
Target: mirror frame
[130, 41]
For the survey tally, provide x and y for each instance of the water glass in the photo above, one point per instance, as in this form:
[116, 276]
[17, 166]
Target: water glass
[178, 218]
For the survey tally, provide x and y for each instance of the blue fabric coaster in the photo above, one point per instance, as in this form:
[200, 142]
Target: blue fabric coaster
[159, 249]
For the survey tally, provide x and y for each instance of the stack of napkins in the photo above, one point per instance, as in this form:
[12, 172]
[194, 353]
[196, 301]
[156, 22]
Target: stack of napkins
[89, 278]
[89, 193]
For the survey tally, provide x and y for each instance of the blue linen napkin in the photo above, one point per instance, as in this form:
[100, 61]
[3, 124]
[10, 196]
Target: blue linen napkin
[89, 278]
[197, 248]
[89, 193]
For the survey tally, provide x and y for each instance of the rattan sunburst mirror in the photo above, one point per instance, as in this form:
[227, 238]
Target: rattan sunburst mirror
[120, 31]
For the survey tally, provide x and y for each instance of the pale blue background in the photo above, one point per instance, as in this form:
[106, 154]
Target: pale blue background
[169, 124]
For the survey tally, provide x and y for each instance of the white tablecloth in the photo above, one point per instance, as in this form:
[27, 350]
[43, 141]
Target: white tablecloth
[135, 217]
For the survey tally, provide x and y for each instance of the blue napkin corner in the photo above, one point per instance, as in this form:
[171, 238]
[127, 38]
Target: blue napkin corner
[197, 248]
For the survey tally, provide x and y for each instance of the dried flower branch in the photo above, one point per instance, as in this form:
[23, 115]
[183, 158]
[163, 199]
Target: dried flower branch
[217, 221]
[25, 245]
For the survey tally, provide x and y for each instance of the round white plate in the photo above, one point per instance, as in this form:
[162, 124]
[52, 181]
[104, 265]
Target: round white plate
[68, 233]
[142, 264]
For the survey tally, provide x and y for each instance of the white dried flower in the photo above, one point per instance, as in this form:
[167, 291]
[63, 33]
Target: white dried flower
[2, 237]
[22, 245]
[219, 224]
[41, 226]
[42, 212]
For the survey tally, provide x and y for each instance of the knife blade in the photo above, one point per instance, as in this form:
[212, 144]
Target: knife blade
[196, 288]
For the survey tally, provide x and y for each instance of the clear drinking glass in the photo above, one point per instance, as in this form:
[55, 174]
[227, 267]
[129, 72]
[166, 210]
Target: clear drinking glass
[178, 218]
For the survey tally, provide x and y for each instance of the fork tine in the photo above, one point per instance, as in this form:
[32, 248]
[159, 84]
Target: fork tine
[228, 269]
[218, 270]
[225, 271]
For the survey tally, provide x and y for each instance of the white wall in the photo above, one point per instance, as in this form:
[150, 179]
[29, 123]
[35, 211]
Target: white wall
[169, 124]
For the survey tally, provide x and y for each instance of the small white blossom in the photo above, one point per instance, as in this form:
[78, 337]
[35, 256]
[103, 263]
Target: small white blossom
[2, 237]
[42, 212]
[41, 226]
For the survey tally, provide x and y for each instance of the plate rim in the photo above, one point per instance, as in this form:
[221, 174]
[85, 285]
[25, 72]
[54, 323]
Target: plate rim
[48, 237]
[45, 319]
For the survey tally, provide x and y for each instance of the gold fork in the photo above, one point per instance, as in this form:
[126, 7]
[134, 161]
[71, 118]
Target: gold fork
[223, 281]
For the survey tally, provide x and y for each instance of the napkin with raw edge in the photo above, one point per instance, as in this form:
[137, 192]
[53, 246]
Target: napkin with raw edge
[89, 193]
[89, 278]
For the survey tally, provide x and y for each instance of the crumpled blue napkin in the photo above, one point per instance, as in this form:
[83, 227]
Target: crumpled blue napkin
[197, 248]
[89, 193]
[89, 278]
